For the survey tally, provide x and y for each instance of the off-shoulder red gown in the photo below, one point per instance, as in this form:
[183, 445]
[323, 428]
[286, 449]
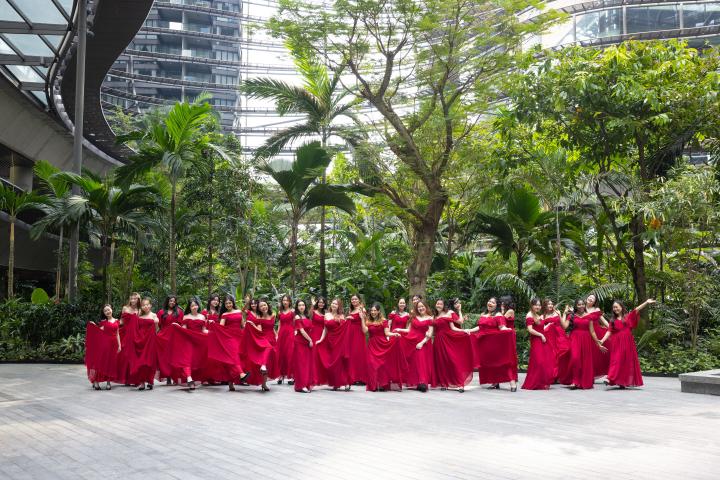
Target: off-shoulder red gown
[285, 343]
[387, 366]
[624, 367]
[101, 351]
[542, 363]
[163, 341]
[303, 359]
[398, 321]
[332, 355]
[558, 341]
[495, 350]
[127, 328]
[420, 362]
[601, 361]
[582, 352]
[453, 354]
[142, 351]
[357, 349]
[256, 347]
[188, 348]
[224, 347]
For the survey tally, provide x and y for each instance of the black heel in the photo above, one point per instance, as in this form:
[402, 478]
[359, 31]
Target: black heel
[513, 389]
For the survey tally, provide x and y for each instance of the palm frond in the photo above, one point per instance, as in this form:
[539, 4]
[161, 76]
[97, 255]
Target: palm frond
[510, 280]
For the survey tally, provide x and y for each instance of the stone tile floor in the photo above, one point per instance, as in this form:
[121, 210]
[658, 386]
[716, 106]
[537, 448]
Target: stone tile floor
[53, 425]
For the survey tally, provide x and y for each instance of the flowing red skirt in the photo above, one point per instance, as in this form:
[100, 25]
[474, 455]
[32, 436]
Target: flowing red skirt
[624, 367]
[332, 357]
[357, 353]
[560, 345]
[495, 356]
[188, 351]
[285, 345]
[541, 366]
[420, 362]
[601, 361]
[101, 355]
[386, 362]
[162, 345]
[143, 353]
[303, 361]
[453, 359]
[257, 351]
[124, 374]
[224, 353]
[582, 348]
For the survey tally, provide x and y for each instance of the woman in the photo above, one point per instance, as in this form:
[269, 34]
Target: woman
[494, 348]
[102, 346]
[212, 310]
[554, 331]
[224, 344]
[357, 347]
[285, 339]
[169, 314]
[386, 361]
[541, 366]
[143, 354]
[399, 317]
[507, 308]
[601, 359]
[258, 350]
[582, 346]
[302, 351]
[452, 349]
[318, 318]
[214, 370]
[418, 348]
[251, 309]
[128, 324]
[189, 344]
[332, 349]
[624, 370]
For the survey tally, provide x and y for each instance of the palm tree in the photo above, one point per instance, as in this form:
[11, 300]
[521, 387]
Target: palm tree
[321, 102]
[175, 144]
[15, 201]
[111, 210]
[56, 212]
[299, 181]
[524, 228]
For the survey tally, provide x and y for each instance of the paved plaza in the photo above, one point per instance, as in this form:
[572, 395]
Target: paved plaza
[53, 425]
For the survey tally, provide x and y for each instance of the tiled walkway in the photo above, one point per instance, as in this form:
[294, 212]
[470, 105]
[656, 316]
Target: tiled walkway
[52, 425]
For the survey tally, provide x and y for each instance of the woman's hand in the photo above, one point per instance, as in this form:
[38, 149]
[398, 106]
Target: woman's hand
[310, 344]
[420, 345]
[542, 337]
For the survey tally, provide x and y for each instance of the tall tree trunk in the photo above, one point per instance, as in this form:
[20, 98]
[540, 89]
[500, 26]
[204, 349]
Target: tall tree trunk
[11, 259]
[637, 227]
[105, 260]
[519, 266]
[58, 270]
[323, 275]
[131, 267]
[293, 252]
[210, 254]
[172, 253]
[558, 253]
[424, 235]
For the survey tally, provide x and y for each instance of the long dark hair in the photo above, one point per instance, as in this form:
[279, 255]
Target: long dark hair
[266, 301]
[452, 304]
[102, 312]
[290, 302]
[497, 306]
[415, 313]
[325, 305]
[535, 301]
[507, 302]
[573, 312]
[166, 306]
[381, 317]
[192, 300]
[297, 312]
[210, 299]
[445, 306]
[223, 309]
[545, 302]
[623, 312]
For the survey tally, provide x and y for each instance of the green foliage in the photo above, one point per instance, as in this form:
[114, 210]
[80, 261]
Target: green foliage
[39, 296]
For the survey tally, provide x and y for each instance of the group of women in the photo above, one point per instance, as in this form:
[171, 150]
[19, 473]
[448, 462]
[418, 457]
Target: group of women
[417, 346]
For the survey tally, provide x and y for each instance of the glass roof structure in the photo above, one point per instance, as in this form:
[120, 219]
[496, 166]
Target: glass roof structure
[30, 35]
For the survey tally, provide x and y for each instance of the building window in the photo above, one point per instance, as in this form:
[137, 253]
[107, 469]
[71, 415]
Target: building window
[600, 24]
[652, 19]
[701, 15]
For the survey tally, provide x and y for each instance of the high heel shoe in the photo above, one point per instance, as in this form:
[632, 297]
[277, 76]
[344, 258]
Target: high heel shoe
[513, 389]
[150, 386]
[141, 388]
[244, 377]
[231, 387]
[191, 384]
[461, 390]
[280, 381]
[96, 387]
[305, 390]
[347, 388]
[265, 388]
[108, 387]
[494, 386]
[291, 382]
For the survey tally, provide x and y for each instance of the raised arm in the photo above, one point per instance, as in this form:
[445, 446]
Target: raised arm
[363, 323]
[647, 302]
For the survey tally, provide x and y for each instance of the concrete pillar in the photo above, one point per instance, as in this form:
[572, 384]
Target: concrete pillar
[21, 174]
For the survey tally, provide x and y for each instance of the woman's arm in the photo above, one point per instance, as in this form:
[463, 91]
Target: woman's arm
[647, 302]
[428, 336]
[531, 330]
[322, 336]
[363, 323]
[118, 340]
[595, 338]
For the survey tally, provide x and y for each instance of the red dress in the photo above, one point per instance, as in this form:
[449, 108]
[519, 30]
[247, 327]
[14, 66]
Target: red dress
[542, 364]
[256, 347]
[624, 364]
[453, 354]
[101, 351]
[332, 355]
[127, 333]
[601, 361]
[582, 348]
[188, 348]
[557, 338]
[357, 349]
[318, 324]
[510, 322]
[303, 359]
[495, 350]
[162, 341]
[398, 321]
[420, 362]
[224, 347]
[142, 351]
[386, 360]
[285, 343]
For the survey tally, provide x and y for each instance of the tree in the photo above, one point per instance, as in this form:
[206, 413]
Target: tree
[523, 228]
[302, 191]
[112, 210]
[56, 212]
[15, 202]
[628, 111]
[174, 143]
[321, 100]
[426, 69]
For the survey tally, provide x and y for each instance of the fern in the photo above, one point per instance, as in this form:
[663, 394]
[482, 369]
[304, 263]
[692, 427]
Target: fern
[608, 291]
[505, 280]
